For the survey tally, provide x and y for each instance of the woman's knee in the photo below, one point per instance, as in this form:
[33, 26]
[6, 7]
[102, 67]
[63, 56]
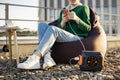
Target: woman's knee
[42, 25]
[52, 28]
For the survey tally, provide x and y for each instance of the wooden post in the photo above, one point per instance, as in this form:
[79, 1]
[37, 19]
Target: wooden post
[10, 45]
[16, 46]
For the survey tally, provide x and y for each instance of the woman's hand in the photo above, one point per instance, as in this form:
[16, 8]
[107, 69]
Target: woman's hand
[69, 16]
[64, 20]
[72, 16]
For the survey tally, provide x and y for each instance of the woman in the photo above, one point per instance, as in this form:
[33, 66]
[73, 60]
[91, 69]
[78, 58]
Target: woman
[73, 24]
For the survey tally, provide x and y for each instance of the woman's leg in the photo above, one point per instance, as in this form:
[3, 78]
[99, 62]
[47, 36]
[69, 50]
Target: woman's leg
[33, 61]
[47, 37]
[42, 27]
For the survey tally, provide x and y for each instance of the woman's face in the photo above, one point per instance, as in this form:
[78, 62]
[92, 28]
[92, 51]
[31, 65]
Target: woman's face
[73, 2]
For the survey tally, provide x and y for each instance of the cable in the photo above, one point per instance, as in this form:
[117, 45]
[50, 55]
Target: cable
[75, 58]
[77, 35]
[70, 61]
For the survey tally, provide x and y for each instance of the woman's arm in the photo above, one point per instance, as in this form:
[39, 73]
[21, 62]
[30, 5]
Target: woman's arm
[84, 23]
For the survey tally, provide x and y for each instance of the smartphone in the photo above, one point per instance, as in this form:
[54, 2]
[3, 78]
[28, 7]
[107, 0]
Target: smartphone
[65, 12]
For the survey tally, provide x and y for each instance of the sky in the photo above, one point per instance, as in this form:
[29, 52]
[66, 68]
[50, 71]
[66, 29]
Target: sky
[16, 12]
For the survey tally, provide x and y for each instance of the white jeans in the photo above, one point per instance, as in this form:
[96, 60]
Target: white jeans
[48, 35]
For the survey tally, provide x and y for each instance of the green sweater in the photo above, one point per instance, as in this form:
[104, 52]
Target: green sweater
[83, 27]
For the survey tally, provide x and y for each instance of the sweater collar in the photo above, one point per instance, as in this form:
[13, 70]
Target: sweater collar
[69, 7]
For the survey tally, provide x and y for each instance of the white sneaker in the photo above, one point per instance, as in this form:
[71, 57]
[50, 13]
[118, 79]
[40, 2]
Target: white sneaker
[48, 61]
[31, 63]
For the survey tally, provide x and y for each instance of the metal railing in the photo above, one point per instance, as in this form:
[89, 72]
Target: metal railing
[29, 6]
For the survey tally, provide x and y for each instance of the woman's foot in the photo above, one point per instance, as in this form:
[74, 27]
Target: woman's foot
[33, 62]
[48, 61]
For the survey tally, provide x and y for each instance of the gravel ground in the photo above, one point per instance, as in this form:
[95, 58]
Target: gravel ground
[111, 70]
